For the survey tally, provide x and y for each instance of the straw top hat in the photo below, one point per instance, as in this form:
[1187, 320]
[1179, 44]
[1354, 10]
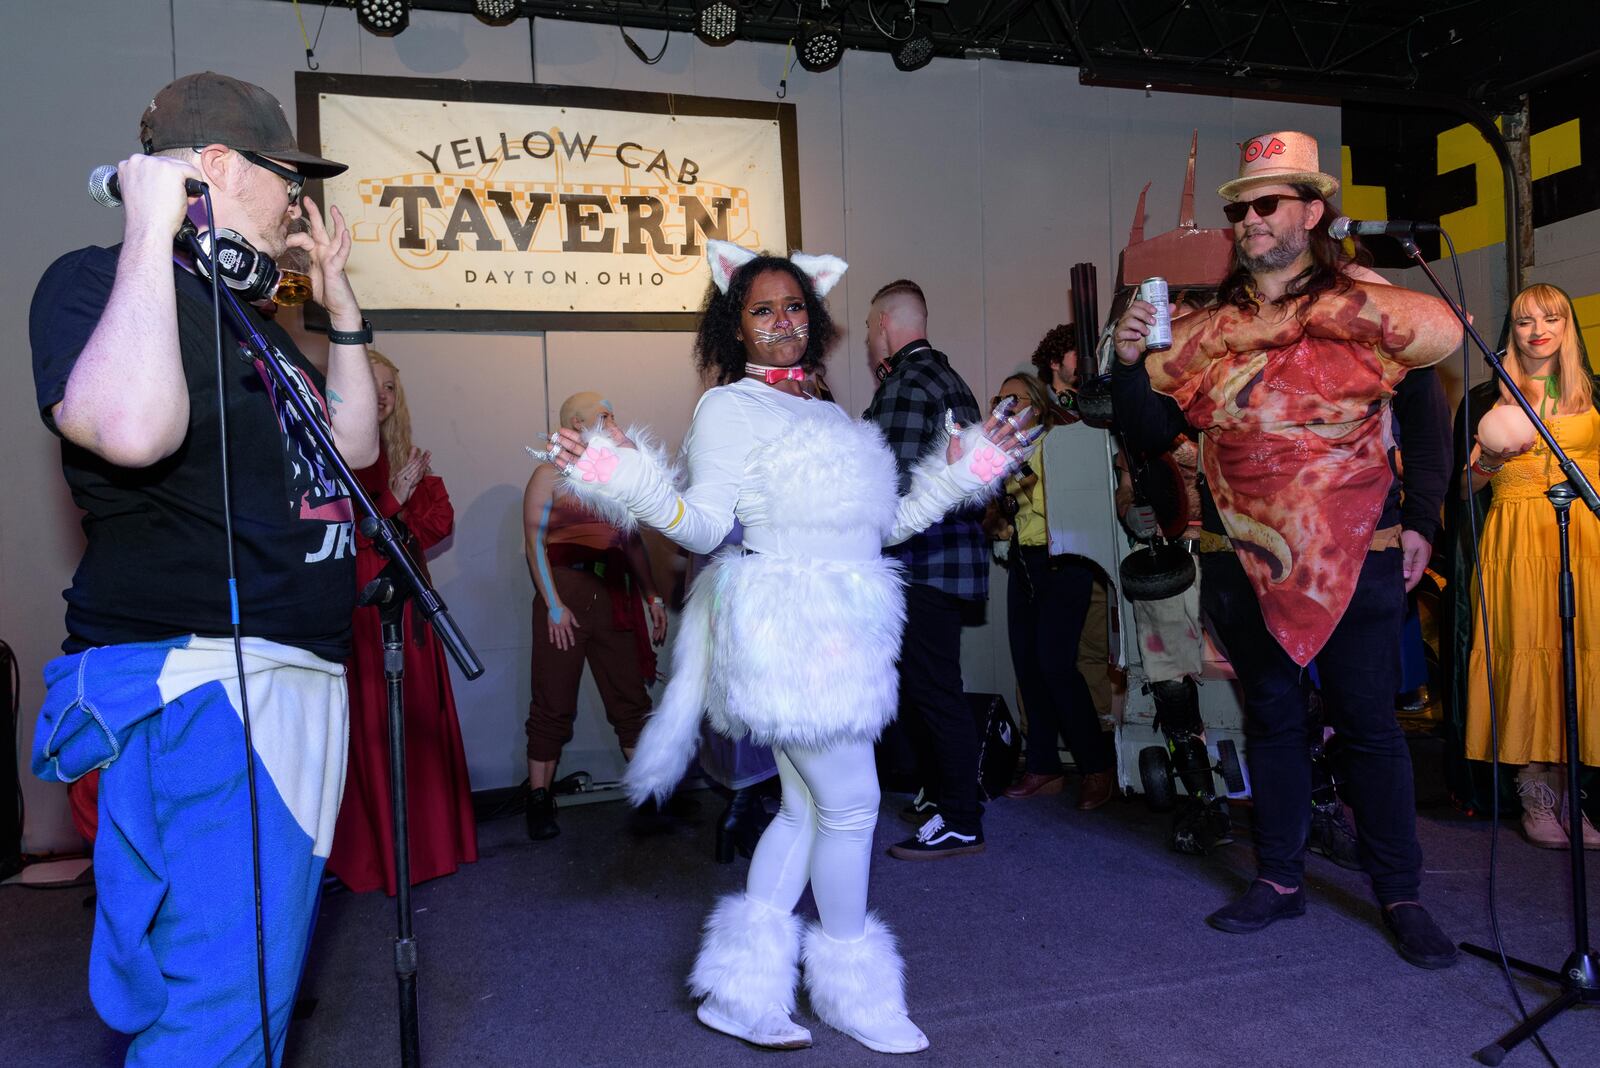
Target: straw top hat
[1286, 157]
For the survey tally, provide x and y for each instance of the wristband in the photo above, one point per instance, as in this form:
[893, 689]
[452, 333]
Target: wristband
[351, 337]
[1486, 472]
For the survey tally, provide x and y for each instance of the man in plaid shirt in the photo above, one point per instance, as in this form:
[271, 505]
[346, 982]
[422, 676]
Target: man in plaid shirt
[947, 569]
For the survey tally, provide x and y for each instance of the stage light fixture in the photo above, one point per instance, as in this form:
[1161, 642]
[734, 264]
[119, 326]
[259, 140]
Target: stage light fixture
[916, 51]
[495, 12]
[716, 21]
[819, 48]
[384, 18]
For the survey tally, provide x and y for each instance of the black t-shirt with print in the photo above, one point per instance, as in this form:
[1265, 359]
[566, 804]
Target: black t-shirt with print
[155, 565]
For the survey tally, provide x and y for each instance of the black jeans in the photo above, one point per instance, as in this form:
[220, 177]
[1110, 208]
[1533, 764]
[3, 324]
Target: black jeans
[933, 705]
[1046, 602]
[1360, 671]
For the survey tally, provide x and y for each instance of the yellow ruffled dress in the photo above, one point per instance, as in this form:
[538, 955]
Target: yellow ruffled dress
[1521, 557]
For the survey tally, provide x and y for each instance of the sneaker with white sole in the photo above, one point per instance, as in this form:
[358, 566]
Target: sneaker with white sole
[936, 840]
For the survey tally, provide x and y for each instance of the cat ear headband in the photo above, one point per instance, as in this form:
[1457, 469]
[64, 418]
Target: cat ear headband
[725, 258]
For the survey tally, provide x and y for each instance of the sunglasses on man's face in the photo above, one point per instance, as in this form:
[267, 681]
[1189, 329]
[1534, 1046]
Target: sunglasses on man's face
[293, 179]
[1238, 209]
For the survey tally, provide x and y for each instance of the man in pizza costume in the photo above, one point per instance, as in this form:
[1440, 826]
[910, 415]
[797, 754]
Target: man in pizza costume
[1288, 376]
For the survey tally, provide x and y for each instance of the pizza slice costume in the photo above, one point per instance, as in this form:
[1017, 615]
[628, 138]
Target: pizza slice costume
[1293, 405]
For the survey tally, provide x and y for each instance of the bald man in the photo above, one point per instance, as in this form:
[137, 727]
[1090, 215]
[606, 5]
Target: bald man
[947, 575]
[588, 577]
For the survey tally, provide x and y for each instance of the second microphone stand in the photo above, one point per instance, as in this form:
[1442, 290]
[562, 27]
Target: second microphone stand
[1579, 977]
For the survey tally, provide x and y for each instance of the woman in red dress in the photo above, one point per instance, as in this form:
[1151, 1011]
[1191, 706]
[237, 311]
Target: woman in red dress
[439, 795]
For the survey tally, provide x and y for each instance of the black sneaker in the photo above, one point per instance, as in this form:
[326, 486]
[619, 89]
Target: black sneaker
[937, 840]
[1333, 837]
[1258, 907]
[1417, 937]
[921, 810]
[541, 815]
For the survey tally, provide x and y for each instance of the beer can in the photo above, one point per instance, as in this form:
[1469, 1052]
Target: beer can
[1153, 291]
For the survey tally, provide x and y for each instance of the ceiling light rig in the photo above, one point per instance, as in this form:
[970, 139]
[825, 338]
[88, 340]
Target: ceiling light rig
[819, 47]
[495, 12]
[383, 18]
[915, 51]
[716, 21]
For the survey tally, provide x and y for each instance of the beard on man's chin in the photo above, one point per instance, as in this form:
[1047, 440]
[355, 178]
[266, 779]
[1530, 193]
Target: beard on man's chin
[1284, 252]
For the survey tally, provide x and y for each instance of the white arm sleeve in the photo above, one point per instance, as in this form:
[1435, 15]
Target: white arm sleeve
[715, 449]
[632, 486]
[938, 487]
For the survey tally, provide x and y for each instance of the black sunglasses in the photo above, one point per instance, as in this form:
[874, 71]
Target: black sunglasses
[295, 180]
[1236, 210]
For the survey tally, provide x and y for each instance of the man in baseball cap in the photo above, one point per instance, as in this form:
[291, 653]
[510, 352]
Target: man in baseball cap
[126, 373]
[211, 108]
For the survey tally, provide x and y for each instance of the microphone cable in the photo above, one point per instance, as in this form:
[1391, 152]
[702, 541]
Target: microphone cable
[1488, 658]
[238, 643]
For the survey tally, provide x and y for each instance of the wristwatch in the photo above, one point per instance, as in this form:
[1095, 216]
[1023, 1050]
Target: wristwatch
[351, 337]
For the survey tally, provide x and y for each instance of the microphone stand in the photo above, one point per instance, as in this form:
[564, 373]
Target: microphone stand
[1579, 977]
[400, 581]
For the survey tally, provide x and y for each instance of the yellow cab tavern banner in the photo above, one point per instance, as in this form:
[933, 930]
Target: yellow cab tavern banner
[494, 205]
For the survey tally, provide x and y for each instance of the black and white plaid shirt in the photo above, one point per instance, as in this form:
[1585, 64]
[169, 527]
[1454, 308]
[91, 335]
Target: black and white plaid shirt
[910, 406]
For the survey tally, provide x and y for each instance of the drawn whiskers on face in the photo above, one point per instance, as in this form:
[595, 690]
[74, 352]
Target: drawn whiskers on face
[778, 337]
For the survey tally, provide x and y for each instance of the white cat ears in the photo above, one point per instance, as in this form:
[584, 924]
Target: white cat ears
[725, 257]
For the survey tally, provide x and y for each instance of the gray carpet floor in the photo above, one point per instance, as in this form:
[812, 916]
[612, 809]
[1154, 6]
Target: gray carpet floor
[1076, 939]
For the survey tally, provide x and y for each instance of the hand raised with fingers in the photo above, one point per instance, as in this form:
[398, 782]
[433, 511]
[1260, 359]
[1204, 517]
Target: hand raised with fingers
[330, 251]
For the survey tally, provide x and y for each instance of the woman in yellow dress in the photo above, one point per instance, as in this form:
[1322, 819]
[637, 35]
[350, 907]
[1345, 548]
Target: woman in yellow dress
[1520, 554]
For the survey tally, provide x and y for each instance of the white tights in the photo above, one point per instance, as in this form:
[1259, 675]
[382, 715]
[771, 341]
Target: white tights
[823, 833]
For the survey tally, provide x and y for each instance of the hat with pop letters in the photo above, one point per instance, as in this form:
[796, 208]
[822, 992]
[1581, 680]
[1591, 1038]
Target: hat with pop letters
[1282, 158]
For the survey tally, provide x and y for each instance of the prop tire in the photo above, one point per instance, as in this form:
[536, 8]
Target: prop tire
[1156, 573]
[1155, 775]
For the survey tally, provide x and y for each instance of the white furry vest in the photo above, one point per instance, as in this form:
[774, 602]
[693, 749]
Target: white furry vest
[804, 630]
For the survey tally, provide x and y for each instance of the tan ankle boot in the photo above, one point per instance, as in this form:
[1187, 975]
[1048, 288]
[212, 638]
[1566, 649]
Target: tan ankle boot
[1591, 837]
[1539, 799]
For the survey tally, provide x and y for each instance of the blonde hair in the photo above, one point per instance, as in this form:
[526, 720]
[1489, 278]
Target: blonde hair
[1046, 410]
[1574, 379]
[395, 431]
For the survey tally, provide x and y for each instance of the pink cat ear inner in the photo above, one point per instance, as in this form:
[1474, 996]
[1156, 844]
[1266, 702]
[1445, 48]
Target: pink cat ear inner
[725, 257]
[824, 271]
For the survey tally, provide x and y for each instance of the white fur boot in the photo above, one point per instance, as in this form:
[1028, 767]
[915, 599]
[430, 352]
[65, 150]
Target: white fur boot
[859, 987]
[747, 971]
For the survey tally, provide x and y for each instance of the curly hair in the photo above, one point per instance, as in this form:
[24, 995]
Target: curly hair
[1052, 347]
[1328, 260]
[719, 355]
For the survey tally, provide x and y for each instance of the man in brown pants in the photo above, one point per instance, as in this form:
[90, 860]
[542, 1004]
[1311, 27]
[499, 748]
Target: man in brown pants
[588, 576]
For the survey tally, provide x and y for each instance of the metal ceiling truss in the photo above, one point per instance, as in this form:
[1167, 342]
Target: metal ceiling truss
[1481, 50]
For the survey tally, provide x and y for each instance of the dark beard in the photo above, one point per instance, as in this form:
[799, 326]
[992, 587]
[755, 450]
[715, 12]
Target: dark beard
[1287, 249]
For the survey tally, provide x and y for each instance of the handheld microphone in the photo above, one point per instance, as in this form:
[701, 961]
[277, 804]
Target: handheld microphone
[105, 190]
[1344, 227]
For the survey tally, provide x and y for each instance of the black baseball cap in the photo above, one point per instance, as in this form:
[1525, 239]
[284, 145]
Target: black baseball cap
[210, 108]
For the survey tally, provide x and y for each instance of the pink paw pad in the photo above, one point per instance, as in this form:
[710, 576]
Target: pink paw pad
[598, 464]
[988, 464]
